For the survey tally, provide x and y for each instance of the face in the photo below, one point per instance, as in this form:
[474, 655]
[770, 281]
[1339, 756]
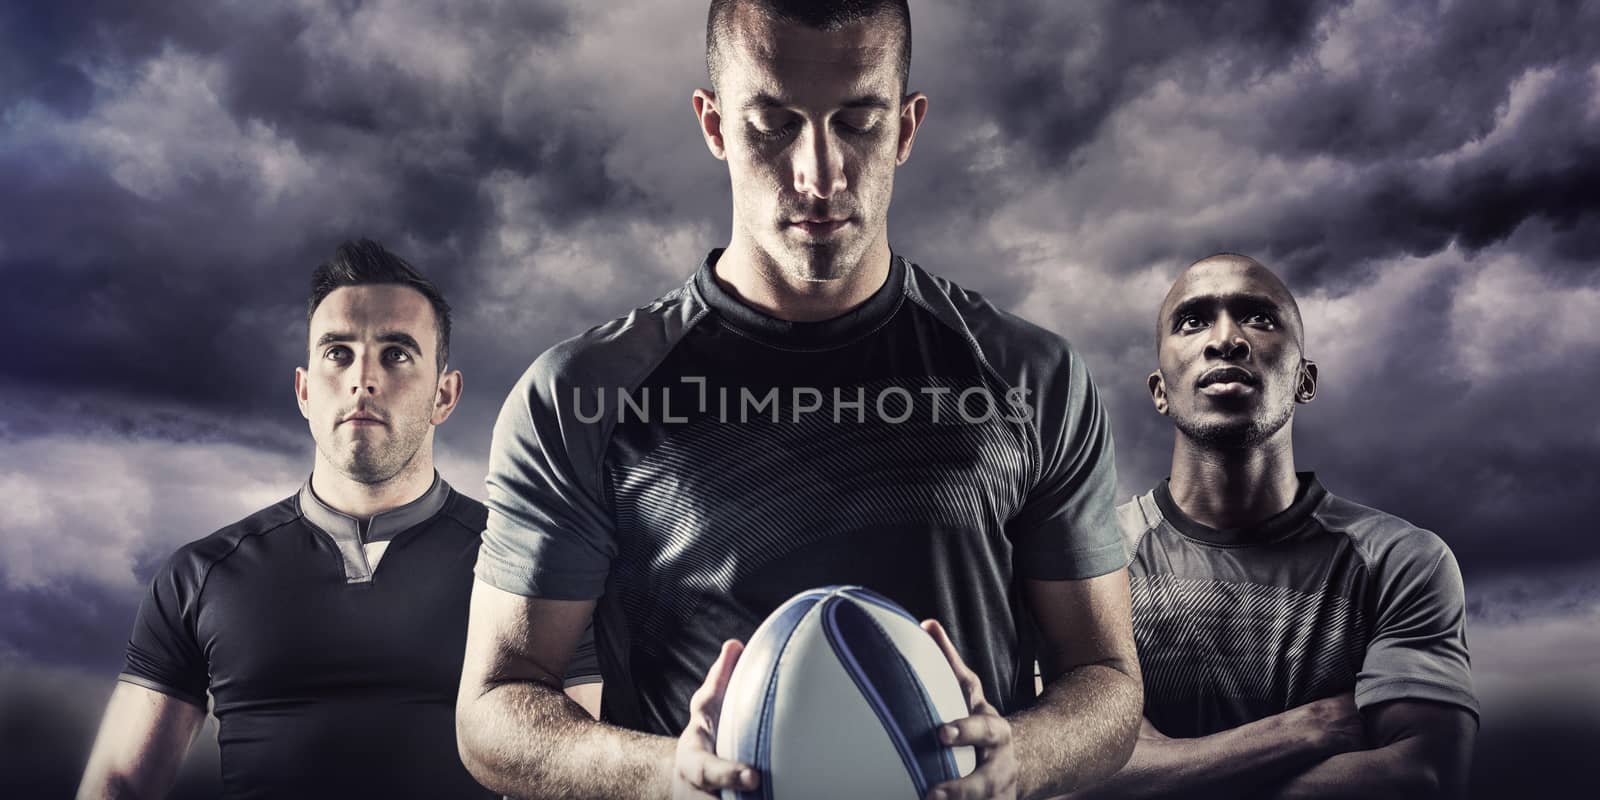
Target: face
[1231, 364]
[372, 390]
[812, 124]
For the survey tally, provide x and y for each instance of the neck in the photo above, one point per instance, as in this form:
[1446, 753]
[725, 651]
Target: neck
[1233, 488]
[757, 281]
[362, 500]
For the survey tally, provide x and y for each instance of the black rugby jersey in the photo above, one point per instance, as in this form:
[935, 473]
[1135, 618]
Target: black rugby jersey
[1325, 597]
[695, 463]
[330, 677]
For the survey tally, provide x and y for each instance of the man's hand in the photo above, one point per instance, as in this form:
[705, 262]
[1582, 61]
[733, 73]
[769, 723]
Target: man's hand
[696, 771]
[984, 729]
[1333, 724]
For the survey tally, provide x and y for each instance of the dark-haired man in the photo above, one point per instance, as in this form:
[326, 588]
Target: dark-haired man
[808, 409]
[1294, 644]
[329, 627]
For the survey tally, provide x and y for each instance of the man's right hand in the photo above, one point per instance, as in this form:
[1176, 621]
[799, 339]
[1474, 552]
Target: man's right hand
[696, 771]
[1333, 723]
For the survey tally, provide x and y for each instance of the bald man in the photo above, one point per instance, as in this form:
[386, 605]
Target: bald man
[1294, 644]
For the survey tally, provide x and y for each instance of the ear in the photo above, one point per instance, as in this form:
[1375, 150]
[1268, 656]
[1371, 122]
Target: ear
[1158, 391]
[301, 381]
[912, 110]
[705, 110]
[1305, 388]
[447, 395]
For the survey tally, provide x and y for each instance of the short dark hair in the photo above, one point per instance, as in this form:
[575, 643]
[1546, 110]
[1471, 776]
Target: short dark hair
[364, 262]
[827, 15]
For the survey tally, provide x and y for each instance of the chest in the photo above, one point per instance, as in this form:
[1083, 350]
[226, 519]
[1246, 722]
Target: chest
[895, 464]
[283, 626]
[903, 427]
[1228, 636]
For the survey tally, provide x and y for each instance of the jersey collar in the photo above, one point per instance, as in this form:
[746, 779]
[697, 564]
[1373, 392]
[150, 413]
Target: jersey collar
[349, 533]
[820, 335]
[1279, 525]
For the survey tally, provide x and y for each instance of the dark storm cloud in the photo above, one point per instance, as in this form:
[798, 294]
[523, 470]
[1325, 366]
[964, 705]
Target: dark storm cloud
[1423, 174]
[1548, 170]
[1397, 105]
[179, 172]
[1444, 70]
[1053, 72]
[78, 623]
[176, 175]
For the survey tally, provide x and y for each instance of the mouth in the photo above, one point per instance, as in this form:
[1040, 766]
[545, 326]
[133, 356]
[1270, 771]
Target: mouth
[1227, 381]
[819, 227]
[362, 419]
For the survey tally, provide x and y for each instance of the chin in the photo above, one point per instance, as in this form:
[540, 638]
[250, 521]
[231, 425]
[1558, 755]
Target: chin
[370, 474]
[827, 261]
[362, 471]
[819, 263]
[1223, 436]
[1231, 432]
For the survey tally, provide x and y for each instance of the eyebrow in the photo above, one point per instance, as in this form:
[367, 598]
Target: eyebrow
[1210, 301]
[388, 337]
[763, 101]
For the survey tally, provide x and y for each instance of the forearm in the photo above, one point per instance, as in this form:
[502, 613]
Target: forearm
[1394, 771]
[110, 786]
[1081, 730]
[140, 746]
[117, 787]
[1229, 763]
[526, 739]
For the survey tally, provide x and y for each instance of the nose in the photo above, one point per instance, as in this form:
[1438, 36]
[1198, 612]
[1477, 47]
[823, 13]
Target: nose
[1227, 340]
[818, 164]
[366, 376]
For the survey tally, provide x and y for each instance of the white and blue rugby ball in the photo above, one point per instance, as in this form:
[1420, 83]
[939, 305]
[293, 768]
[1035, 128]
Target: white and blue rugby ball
[840, 694]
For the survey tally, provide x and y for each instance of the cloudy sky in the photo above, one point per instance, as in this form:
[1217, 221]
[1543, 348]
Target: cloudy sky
[1426, 177]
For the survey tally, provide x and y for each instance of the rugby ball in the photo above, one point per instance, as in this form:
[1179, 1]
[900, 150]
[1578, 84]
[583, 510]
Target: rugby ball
[839, 694]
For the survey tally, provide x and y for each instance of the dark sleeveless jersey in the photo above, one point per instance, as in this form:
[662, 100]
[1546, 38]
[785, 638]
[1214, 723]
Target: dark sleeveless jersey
[695, 463]
[329, 677]
[1326, 597]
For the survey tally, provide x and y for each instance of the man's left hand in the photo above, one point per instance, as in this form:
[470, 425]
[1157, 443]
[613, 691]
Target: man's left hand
[984, 730]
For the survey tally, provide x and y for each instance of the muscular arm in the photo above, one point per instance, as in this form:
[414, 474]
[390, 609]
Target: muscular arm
[1083, 727]
[518, 733]
[1237, 761]
[141, 744]
[1421, 750]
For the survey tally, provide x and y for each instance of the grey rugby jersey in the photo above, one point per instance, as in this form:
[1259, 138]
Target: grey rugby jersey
[1325, 597]
[694, 464]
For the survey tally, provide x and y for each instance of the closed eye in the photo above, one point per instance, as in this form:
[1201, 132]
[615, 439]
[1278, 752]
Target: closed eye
[858, 121]
[770, 133]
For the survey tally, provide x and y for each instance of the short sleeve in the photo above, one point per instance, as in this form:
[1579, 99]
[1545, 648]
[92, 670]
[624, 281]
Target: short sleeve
[1067, 528]
[164, 652]
[1419, 645]
[548, 533]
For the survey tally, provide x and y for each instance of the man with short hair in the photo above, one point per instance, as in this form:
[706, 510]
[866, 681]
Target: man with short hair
[809, 408]
[1294, 644]
[329, 627]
